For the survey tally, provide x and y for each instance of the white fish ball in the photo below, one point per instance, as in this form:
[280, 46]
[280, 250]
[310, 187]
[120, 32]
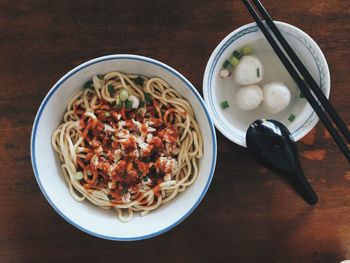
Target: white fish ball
[249, 71]
[276, 97]
[249, 98]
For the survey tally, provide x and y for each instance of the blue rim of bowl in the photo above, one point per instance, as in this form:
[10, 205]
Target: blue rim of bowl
[116, 57]
[251, 29]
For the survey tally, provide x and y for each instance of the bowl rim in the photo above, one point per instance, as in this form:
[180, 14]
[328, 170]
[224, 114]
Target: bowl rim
[312, 117]
[75, 70]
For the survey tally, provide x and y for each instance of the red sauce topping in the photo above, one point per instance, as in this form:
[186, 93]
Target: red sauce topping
[120, 154]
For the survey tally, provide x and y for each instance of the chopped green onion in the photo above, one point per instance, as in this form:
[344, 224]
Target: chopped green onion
[118, 103]
[291, 117]
[258, 72]
[78, 176]
[145, 179]
[226, 64]
[147, 159]
[225, 105]
[237, 54]
[148, 98]
[128, 104]
[111, 90]
[247, 50]
[125, 190]
[234, 61]
[139, 81]
[107, 114]
[123, 95]
[142, 104]
[88, 84]
[100, 77]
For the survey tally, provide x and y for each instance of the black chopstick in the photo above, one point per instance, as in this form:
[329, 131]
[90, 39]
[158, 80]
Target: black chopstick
[304, 72]
[300, 82]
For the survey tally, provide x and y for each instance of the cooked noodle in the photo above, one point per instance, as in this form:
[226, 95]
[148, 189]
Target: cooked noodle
[132, 154]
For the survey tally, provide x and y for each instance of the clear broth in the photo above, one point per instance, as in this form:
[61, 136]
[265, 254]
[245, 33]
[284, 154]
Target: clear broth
[273, 71]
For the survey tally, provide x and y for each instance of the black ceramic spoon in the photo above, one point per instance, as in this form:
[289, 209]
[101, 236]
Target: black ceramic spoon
[271, 144]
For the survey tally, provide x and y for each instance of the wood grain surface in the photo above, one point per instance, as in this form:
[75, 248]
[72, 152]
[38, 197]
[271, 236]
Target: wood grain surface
[249, 214]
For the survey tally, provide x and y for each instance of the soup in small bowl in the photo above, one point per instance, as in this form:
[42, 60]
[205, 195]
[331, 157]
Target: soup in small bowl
[244, 81]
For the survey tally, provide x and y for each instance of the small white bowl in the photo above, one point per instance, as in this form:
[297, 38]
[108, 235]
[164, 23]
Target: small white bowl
[85, 216]
[232, 122]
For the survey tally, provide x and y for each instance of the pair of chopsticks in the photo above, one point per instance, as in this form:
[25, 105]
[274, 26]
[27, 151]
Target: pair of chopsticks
[302, 77]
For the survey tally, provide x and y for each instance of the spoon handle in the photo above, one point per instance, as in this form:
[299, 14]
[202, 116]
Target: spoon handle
[303, 187]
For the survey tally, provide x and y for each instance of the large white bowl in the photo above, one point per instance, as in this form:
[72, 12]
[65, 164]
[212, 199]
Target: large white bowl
[85, 216]
[214, 89]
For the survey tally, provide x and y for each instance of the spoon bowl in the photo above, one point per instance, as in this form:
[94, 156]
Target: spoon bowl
[272, 145]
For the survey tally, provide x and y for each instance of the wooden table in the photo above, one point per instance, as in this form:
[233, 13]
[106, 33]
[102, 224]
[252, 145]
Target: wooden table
[249, 214]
